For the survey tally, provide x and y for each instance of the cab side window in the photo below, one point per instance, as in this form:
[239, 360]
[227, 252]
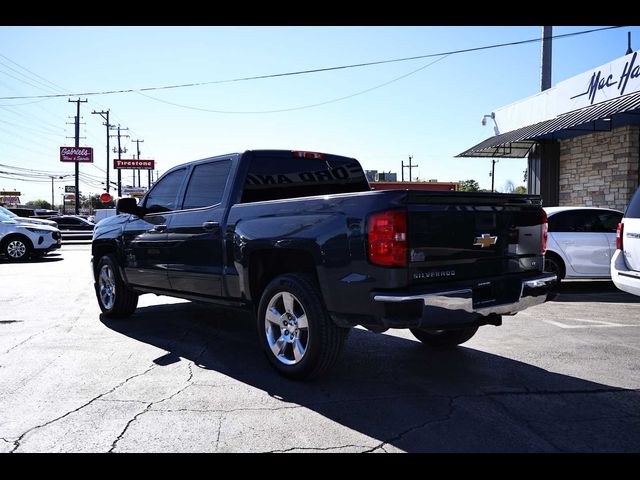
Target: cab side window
[164, 195]
[207, 184]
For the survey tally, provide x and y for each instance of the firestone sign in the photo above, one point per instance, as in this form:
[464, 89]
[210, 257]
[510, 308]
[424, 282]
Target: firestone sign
[133, 163]
[76, 154]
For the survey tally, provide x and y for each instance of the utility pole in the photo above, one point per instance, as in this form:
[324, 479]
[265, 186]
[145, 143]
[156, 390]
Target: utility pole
[409, 166]
[120, 151]
[77, 203]
[493, 172]
[105, 116]
[138, 148]
[545, 74]
[52, 196]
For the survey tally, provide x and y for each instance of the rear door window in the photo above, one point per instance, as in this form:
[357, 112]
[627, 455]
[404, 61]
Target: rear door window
[207, 184]
[633, 210]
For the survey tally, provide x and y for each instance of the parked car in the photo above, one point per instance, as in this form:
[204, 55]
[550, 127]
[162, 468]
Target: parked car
[72, 222]
[625, 264]
[28, 212]
[37, 221]
[582, 241]
[74, 227]
[20, 241]
[300, 240]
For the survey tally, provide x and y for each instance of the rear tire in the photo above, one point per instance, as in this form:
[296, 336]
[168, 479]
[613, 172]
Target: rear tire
[296, 333]
[17, 248]
[115, 299]
[444, 339]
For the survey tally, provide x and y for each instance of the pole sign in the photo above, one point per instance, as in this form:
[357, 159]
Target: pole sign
[69, 189]
[134, 191]
[134, 164]
[76, 154]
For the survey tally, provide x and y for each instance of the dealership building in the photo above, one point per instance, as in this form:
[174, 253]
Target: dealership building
[581, 137]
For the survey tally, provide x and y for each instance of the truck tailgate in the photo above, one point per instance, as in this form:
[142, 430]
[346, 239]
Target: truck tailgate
[468, 236]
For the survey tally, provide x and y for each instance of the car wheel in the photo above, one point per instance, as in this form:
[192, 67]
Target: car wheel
[115, 299]
[296, 333]
[443, 339]
[552, 264]
[17, 248]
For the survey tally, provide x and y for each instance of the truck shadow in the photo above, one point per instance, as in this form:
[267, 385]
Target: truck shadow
[395, 391]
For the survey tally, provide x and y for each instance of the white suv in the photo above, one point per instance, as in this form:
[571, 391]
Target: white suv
[625, 264]
[581, 241]
[19, 241]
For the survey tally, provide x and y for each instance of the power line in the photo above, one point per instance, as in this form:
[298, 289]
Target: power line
[315, 70]
[303, 106]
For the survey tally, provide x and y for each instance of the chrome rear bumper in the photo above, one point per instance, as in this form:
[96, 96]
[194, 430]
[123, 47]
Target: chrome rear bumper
[457, 306]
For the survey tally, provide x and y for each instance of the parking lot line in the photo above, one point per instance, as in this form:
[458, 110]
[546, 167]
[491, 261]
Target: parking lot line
[591, 323]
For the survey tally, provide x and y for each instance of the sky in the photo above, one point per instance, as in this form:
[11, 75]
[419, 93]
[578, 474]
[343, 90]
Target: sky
[429, 108]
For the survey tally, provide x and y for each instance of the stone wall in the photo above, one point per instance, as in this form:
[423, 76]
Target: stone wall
[600, 169]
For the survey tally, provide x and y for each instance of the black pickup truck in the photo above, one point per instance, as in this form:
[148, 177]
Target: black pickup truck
[300, 239]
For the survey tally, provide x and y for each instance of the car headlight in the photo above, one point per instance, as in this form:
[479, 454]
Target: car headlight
[38, 230]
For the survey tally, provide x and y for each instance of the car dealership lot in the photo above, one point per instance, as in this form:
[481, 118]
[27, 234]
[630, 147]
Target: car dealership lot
[180, 376]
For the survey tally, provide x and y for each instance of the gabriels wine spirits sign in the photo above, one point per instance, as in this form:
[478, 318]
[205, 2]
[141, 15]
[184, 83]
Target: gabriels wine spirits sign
[76, 154]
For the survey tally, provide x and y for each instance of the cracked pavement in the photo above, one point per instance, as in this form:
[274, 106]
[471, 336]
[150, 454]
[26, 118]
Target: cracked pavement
[184, 377]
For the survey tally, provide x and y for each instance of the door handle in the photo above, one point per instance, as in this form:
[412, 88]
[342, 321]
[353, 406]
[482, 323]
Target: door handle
[158, 229]
[210, 225]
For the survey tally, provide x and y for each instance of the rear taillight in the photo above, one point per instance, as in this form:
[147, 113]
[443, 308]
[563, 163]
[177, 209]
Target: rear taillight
[545, 231]
[387, 236]
[619, 232]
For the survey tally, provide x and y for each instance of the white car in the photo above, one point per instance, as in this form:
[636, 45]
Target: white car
[20, 241]
[36, 221]
[625, 264]
[581, 241]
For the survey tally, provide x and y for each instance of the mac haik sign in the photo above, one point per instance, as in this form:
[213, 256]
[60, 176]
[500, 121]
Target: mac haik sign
[135, 164]
[607, 82]
[76, 154]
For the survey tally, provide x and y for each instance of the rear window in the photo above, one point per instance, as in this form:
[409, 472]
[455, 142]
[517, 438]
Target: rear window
[633, 210]
[274, 176]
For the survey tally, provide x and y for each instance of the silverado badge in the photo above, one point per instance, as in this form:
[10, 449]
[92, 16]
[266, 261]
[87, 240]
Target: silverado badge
[485, 240]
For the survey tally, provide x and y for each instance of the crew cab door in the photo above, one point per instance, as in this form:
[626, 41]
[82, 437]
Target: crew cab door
[145, 238]
[195, 259]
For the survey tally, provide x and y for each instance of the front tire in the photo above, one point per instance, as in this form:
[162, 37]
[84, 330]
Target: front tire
[17, 248]
[444, 339]
[115, 299]
[295, 331]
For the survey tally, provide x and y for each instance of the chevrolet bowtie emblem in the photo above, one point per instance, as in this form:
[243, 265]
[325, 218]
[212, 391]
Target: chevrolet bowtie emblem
[485, 240]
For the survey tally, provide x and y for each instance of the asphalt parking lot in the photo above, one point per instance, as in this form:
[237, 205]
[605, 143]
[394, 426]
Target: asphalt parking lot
[183, 377]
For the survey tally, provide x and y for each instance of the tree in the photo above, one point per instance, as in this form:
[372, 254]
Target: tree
[521, 189]
[469, 185]
[39, 204]
[509, 187]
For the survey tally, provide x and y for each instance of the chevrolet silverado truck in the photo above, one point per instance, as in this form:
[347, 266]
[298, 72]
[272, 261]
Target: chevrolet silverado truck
[301, 240]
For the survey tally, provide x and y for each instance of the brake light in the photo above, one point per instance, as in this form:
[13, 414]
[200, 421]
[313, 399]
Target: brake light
[619, 232]
[387, 237]
[545, 231]
[307, 155]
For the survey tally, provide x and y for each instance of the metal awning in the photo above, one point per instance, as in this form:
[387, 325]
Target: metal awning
[517, 143]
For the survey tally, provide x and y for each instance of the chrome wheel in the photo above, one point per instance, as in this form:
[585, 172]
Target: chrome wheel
[107, 287]
[16, 249]
[286, 328]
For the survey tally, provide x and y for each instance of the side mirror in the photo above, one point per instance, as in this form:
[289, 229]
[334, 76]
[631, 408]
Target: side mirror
[129, 205]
